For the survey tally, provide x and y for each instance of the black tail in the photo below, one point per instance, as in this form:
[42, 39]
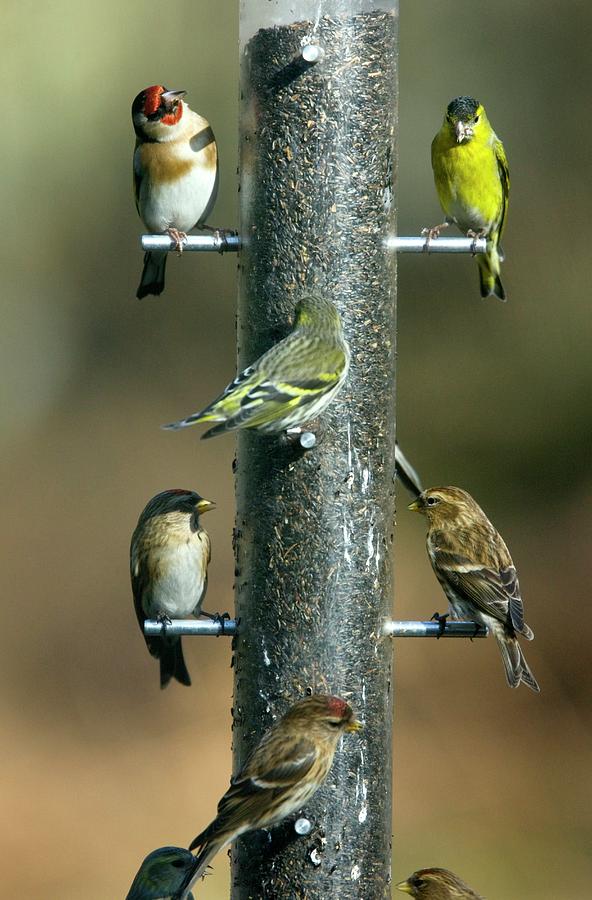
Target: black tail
[152, 280]
[172, 663]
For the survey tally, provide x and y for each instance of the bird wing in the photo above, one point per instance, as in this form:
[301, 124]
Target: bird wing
[241, 803]
[504, 174]
[137, 177]
[494, 592]
[257, 395]
[138, 577]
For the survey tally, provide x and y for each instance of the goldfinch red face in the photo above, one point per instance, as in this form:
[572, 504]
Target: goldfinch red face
[155, 110]
[465, 117]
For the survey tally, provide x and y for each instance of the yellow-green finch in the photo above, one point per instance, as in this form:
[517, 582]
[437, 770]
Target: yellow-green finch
[289, 764]
[437, 884]
[163, 875]
[473, 183]
[169, 556]
[475, 569]
[290, 384]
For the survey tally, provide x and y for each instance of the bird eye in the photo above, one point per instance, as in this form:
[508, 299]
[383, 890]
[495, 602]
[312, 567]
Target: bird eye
[334, 724]
[433, 500]
[476, 119]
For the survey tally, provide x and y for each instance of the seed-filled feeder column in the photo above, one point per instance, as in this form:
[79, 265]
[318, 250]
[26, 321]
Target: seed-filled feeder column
[315, 512]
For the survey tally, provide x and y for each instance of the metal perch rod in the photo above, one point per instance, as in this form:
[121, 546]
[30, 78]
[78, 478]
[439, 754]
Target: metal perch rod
[229, 241]
[392, 628]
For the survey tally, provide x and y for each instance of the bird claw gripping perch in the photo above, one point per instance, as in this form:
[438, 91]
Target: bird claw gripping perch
[219, 619]
[441, 620]
[431, 234]
[179, 237]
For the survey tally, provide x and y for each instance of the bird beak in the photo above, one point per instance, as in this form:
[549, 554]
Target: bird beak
[460, 129]
[203, 506]
[416, 506]
[169, 97]
[354, 726]
[405, 887]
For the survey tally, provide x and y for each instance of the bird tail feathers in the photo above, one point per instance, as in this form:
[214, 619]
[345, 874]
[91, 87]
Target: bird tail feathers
[203, 416]
[515, 665]
[209, 849]
[152, 280]
[406, 473]
[489, 274]
[172, 663]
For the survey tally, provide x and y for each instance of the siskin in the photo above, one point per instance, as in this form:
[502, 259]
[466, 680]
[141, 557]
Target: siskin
[290, 384]
[163, 875]
[169, 557]
[288, 765]
[437, 884]
[473, 183]
[475, 569]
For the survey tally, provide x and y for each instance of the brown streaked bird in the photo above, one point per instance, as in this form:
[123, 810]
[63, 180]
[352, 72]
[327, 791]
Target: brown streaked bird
[475, 569]
[287, 767]
[437, 884]
[169, 556]
[175, 173]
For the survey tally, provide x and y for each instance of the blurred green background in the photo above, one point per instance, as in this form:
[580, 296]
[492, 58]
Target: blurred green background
[98, 765]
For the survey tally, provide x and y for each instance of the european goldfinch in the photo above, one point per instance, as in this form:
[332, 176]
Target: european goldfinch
[290, 384]
[163, 875]
[473, 183]
[287, 767]
[175, 173]
[169, 556]
[475, 569]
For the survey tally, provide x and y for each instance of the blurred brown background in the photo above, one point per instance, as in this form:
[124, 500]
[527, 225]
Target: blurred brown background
[99, 766]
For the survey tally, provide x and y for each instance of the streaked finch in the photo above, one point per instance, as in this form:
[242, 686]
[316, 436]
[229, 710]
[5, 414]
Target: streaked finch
[163, 875]
[289, 764]
[169, 556]
[475, 569]
[437, 884]
[290, 384]
[175, 173]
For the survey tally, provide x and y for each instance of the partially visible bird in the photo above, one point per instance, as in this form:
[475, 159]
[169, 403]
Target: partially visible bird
[175, 173]
[163, 875]
[437, 884]
[169, 556]
[475, 569]
[405, 472]
[473, 183]
[290, 384]
[289, 764]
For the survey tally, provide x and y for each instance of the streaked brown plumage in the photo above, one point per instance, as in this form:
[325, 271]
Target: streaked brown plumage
[437, 884]
[475, 569]
[286, 768]
[169, 557]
